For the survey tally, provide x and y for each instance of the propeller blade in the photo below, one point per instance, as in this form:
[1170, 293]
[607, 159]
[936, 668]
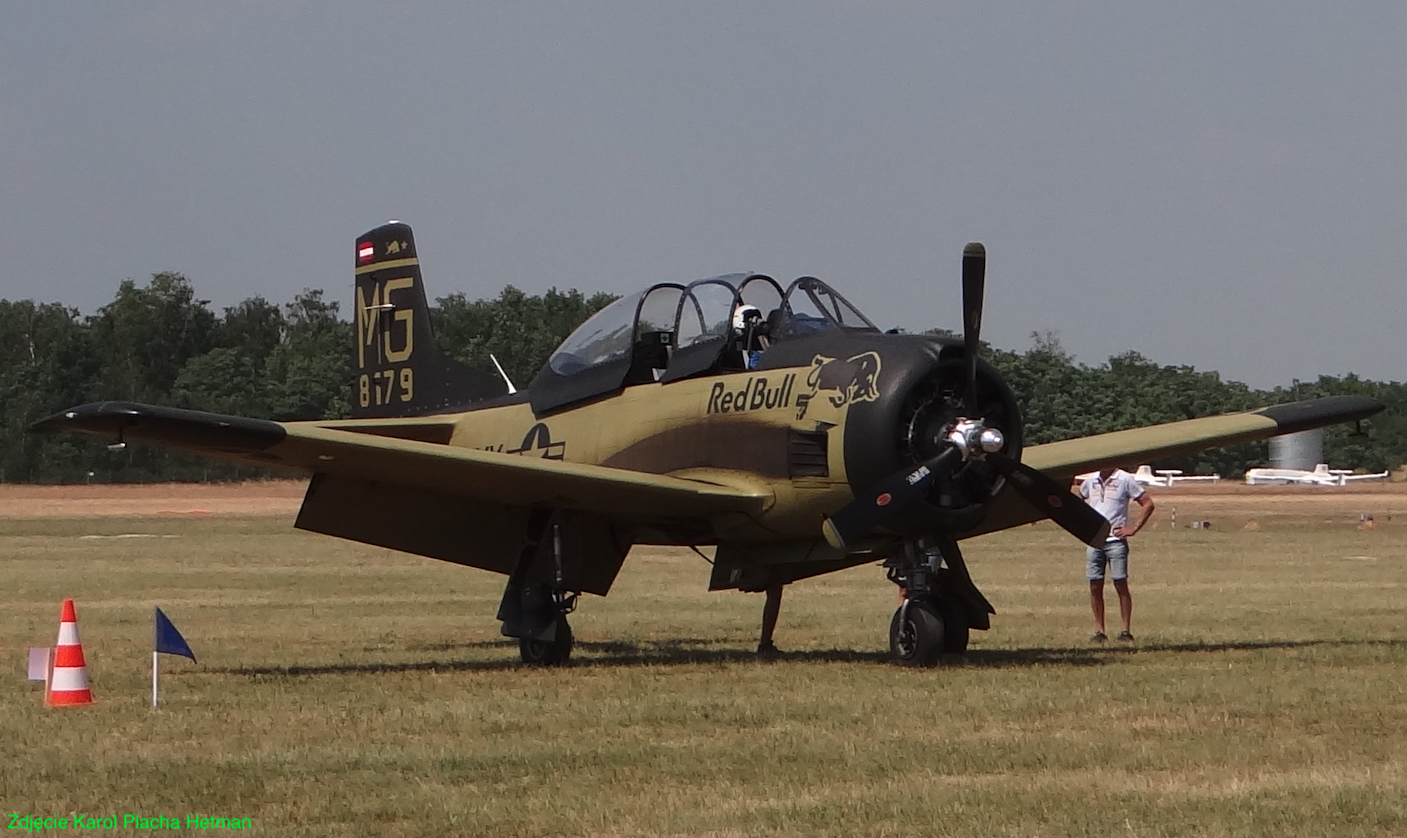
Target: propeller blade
[869, 510]
[974, 284]
[1058, 502]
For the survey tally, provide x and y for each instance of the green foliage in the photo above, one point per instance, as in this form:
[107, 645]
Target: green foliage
[1062, 399]
[146, 335]
[519, 330]
[160, 344]
[47, 363]
[309, 372]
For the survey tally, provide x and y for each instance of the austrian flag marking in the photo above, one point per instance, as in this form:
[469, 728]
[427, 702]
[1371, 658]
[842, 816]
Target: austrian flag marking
[366, 251]
[883, 499]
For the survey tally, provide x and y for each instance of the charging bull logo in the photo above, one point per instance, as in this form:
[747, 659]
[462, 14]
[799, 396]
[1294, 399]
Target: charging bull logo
[856, 379]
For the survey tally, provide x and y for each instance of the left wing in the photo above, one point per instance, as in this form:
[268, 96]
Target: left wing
[1067, 458]
[405, 458]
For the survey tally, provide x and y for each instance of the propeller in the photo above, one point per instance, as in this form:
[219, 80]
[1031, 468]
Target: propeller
[974, 286]
[1057, 502]
[969, 439]
[884, 499]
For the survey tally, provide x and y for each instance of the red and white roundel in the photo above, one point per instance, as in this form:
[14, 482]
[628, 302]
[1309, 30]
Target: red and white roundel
[883, 499]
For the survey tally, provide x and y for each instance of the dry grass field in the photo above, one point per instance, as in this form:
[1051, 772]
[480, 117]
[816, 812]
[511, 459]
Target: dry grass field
[349, 690]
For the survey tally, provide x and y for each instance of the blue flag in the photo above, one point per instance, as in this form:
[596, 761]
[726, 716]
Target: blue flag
[168, 640]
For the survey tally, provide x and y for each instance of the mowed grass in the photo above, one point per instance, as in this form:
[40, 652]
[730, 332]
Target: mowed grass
[347, 690]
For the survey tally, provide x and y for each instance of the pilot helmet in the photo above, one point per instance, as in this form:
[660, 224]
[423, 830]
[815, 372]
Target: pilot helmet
[743, 314]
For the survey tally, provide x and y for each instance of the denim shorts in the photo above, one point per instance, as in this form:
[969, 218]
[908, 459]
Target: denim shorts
[1113, 555]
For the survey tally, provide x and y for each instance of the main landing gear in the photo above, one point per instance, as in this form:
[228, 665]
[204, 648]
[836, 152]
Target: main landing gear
[552, 645]
[535, 610]
[940, 606]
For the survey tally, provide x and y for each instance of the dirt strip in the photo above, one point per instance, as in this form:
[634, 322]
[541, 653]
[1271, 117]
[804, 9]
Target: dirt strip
[90, 500]
[282, 497]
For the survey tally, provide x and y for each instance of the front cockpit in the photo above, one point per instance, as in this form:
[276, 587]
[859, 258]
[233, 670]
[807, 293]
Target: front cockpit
[670, 332]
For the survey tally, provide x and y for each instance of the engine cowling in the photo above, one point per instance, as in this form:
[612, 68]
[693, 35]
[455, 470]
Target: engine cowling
[919, 406]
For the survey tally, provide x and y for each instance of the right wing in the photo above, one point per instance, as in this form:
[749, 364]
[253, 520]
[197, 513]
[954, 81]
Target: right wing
[1067, 458]
[1063, 460]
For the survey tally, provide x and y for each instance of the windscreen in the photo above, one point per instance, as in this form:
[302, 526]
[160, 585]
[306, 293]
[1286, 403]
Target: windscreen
[605, 337]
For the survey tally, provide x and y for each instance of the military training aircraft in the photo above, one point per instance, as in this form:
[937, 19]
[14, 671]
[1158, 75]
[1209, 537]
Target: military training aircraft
[774, 423]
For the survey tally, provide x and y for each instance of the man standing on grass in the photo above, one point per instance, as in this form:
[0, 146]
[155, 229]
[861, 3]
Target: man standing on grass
[1109, 492]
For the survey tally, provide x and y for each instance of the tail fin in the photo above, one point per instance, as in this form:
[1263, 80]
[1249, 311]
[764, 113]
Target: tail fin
[401, 370]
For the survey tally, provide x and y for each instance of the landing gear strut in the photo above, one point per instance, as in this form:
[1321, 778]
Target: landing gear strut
[937, 613]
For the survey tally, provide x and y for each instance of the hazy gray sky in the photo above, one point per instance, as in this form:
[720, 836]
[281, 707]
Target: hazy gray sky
[1214, 184]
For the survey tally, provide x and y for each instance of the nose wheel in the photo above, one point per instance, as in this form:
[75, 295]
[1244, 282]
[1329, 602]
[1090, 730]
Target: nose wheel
[916, 634]
[922, 631]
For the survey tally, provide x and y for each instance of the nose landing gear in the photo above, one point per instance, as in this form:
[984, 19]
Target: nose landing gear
[940, 604]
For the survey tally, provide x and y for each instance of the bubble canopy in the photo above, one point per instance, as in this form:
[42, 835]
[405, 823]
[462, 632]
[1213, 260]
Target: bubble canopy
[671, 331]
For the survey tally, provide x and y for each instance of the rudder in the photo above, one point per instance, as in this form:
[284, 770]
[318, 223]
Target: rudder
[401, 370]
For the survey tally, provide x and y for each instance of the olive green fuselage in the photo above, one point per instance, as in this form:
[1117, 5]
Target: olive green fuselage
[733, 428]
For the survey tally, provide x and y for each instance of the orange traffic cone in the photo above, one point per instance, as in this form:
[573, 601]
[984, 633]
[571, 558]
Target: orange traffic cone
[69, 683]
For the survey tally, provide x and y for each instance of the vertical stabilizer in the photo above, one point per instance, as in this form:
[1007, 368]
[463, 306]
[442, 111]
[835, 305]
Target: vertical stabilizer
[401, 370]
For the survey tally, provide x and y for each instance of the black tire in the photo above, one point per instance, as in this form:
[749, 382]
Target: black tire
[554, 652]
[916, 639]
[955, 627]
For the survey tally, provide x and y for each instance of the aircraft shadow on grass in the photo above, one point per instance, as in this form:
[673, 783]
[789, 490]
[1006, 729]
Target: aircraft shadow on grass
[689, 651]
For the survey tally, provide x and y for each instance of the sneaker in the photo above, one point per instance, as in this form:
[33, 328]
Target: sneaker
[1098, 637]
[768, 650]
[1125, 637]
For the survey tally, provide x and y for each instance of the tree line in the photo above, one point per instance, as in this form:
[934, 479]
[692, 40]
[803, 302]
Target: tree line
[159, 343]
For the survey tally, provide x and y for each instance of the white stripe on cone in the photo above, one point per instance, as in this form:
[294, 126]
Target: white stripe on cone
[69, 678]
[69, 682]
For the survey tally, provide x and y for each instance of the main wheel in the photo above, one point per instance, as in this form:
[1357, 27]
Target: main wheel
[955, 627]
[916, 634]
[553, 652]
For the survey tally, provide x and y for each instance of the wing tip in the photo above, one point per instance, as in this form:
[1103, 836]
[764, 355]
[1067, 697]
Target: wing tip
[1316, 413]
[144, 423]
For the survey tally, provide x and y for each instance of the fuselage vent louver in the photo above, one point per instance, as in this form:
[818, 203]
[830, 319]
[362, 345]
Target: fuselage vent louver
[806, 454]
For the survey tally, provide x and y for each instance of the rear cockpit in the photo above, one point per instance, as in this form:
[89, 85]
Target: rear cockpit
[670, 332]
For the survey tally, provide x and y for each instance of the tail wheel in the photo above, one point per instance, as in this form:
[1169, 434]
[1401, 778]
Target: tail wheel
[554, 652]
[916, 634]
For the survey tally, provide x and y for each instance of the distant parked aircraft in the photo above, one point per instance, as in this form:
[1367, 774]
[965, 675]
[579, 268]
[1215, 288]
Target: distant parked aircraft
[1162, 478]
[1321, 476]
[1171, 477]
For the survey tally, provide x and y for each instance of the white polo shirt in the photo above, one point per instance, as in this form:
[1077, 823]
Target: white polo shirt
[1111, 497]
